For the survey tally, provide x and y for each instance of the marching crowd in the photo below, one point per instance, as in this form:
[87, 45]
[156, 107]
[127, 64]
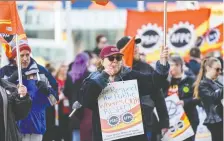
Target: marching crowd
[39, 108]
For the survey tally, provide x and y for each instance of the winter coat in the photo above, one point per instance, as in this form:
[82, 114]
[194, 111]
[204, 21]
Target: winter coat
[194, 66]
[142, 67]
[185, 93]
[14, 108]
[154, 125]
[211, 94]
[71, 92]
[35, 122]
[148, 84]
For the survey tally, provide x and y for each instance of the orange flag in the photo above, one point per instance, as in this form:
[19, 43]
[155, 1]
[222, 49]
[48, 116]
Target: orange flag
[128, 52]
[182, 30]
[8, 17]
[101, 2]
[10, 25]
[6, 47]
[212, 40]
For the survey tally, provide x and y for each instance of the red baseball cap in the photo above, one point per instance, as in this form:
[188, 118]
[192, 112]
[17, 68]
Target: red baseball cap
[108, 51]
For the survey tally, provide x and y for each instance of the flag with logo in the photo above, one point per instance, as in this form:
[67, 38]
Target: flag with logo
[211, 40]
[182, 30]
[8, 17]
[128, 52]
[101, 2]
[10, 25]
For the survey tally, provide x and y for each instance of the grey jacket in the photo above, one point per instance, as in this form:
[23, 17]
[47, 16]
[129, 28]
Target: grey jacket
[14, 108]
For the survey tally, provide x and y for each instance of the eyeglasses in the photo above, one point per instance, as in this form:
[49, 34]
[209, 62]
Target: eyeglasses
[118, 58]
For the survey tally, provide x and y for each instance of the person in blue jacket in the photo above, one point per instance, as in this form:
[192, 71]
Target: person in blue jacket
[42, 88]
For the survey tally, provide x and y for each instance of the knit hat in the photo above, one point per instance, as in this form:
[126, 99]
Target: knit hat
[21, 47]
[124, 40]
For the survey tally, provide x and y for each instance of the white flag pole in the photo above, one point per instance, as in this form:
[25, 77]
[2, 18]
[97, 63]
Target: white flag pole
[18, 61]
[164, 26]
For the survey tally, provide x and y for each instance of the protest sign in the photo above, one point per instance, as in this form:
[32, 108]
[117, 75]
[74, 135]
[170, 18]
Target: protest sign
[180, 128]
[120, 110]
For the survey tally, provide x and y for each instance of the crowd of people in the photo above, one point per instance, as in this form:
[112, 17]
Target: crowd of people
[54, 93]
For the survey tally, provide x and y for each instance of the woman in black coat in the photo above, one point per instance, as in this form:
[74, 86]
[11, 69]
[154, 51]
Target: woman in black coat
[210, 91]
[15, 104]
[111, 70]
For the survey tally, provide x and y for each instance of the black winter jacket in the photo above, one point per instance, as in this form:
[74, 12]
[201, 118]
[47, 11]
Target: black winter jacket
[14, 108]
[148, 84]
[71, 92]
[153, 124]
[142, 67]
[211, 94]
[185, 92]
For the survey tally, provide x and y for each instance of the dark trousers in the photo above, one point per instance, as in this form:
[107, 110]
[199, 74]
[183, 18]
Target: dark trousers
[194, 126]
[64, 129]
[216, 130]
[156, 136]
[57, 133]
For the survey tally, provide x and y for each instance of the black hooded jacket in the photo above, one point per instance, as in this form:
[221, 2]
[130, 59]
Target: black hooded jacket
[14, 108]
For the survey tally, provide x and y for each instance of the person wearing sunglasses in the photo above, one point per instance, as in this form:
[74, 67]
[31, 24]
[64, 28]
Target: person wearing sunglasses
[111, 69]
[210, 92]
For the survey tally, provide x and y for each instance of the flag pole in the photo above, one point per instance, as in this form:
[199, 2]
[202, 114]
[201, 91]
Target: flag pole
[165, 22]
[18, 61]
[164, 26]
[17, 49]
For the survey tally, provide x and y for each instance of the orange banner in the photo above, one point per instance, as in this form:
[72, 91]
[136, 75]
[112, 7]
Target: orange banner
[8, 17]
[10, 25]
[212, 40]
[183, 28]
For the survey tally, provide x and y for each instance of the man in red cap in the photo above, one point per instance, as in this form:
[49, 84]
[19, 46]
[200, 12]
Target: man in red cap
[41, 86]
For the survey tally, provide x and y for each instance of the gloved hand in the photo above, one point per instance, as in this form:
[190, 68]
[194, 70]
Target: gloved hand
[42, 86]
[14, 77]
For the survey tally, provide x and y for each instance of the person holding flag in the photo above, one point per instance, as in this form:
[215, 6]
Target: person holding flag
[41, 86]
[111, 69]
[154, 126]
[23, 69]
